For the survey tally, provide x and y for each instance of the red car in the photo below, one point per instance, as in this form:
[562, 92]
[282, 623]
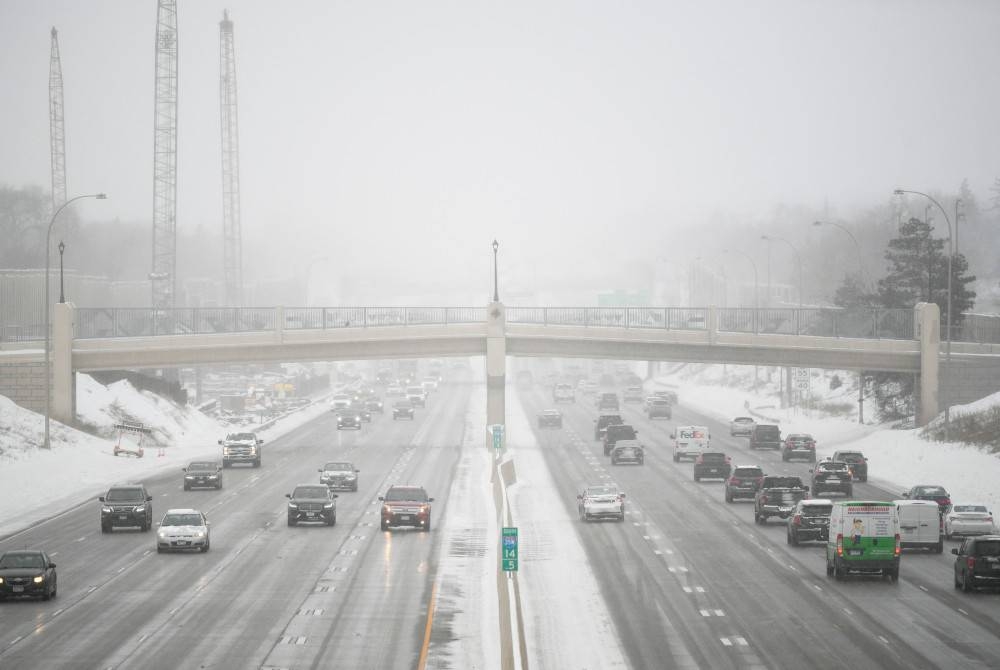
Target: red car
[930, 492]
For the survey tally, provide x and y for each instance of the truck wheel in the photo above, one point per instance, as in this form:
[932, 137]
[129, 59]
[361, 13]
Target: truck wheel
[729, 497]
[784, 457]
[427, 526]
[225, 463]
[187, 487]
[939, 547]
[838, 571]
[697, 478]
[256, 463]
[292, 521]
[384, 525]
[677, 458]
[966, 586]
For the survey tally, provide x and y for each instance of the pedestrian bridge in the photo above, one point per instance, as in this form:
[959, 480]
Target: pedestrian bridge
[899, 340]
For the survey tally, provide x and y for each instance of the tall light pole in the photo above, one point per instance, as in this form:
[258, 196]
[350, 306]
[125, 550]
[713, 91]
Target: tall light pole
[798, 258]
[48, 260]
[857, 246]
[496, 288]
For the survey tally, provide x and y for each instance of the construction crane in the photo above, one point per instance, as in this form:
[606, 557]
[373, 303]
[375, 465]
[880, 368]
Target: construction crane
[232, 239]
[163, 276]
[57, 129]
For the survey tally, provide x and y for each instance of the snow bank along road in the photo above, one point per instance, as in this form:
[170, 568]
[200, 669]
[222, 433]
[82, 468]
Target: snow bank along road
[686, 581]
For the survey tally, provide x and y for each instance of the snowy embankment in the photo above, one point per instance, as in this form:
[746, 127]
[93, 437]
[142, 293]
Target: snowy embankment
[897, 459]
[38, 483]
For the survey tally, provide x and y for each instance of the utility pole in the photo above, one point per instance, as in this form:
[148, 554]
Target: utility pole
[231, 233]
[164, 274]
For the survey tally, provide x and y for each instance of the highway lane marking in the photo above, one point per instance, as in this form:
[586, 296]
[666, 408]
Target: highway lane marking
[963, 611]
[923, 588]
[16, 640]
[817, 587]
[81, 539]
[422, 661]
[53, 554]
[57, 613]
[846, 611]
[883, 639]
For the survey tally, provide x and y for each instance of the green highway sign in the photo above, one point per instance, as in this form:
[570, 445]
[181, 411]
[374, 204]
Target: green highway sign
[508, 545]
[497, 430]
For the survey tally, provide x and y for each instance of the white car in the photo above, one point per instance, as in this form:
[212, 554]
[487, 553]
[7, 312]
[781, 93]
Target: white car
[602, 501]
[182, 529]
[969, 519]
[342, 401]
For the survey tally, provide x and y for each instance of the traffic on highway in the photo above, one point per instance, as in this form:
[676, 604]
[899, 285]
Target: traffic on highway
[692, 542]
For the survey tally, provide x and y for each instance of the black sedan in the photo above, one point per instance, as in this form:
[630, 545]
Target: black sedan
[403, 409]
[27, 573]
[550, 418]
[347, 420]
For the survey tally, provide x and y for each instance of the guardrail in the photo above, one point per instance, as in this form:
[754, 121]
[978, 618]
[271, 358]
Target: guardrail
[897, 324]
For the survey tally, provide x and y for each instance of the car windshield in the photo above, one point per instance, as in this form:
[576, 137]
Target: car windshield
[241, 437]
[931, 491]
[782, 482]
[970, 508]
[817, 510]
[987, 548]
[748, 472]
[115, 495]
[338, 466]
[832, 467]
[713, 457]
[405, 494]
[403, 405]
[850, 457]
[743, 419]
[800, 438]
[182, 520]
[9, 561]
[768, 430]
[310, 492]
[202, 466]
[601, 491]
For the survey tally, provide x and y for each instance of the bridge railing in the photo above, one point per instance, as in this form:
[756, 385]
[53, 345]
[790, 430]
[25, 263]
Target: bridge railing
[895, 324]
[669, 318]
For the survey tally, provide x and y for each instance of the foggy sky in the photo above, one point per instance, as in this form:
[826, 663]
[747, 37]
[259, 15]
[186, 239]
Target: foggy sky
[572, 131]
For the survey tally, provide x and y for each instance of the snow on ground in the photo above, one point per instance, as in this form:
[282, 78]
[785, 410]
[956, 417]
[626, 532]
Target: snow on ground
[467, 572]
[38, 483]
[897, 459]
[565, 617]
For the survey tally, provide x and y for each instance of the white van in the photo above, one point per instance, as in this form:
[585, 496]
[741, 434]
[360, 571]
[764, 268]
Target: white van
[690, 442]
[920, 525]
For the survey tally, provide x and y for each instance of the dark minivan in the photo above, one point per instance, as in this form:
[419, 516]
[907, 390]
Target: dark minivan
[765, 436]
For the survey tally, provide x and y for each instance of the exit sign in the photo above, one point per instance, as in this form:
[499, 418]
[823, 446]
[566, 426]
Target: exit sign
[508, 547]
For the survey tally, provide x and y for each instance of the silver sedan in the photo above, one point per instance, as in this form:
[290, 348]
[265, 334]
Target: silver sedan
[182, 529]
[970, 519]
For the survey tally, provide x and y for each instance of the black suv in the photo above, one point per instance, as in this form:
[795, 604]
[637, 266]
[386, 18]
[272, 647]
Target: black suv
[603, 421]
[744, 482]
[615, 432]
[777, 496]
[810, 521]
[977, 562]
[312, 502]
[832, 476]
[203, 474]
[712, 465]
[128, 505]
[765, 436]
[856, 461]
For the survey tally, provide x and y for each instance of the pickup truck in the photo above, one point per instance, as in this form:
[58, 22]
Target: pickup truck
[777, 496]
[241, 448]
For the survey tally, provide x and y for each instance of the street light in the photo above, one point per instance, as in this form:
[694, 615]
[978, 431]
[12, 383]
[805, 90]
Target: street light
[857, 246]
[62, 289]
[48, 254]
[900, 191]
[798, 258]
[496, 289]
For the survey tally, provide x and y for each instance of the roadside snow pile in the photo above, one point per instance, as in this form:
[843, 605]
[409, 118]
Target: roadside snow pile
[101, 407]
[23, 431]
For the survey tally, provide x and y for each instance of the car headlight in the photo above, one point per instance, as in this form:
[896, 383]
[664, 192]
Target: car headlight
[139, 508]
[39, 579]
[188, 476]
[200, 533]
[106, 510]
[328, 505]
[386, 509]
[213, 476]
[162, 534]
[292, 505]
[357, 418]
[1, 580]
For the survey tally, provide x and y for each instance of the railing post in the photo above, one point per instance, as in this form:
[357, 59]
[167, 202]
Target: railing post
[666, 318]
[545, 316]
[798, 324]
[406, 316]
[875, 323]
[586, 318]
[364, 316]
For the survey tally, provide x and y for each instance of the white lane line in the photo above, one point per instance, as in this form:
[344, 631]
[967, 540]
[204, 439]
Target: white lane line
[658, 552]
[699, 589]
[705, 612]
[54, 554]
[688, 589]
[57, 612]
[726, 641]
[883, 639]
[817, 587]
[923, 588]
[963, 611]
[846, 611]
[741, 641]
[81, 539]
[719, 613]
[16, 640]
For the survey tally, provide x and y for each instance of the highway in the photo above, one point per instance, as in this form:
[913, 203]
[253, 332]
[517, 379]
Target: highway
[265, 595]
[688, 580]
[693, 579]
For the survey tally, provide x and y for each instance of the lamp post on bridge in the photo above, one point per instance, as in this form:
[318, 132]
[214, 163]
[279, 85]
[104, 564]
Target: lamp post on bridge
[496, 288]
[951, 252]
[62, 288]
[48, 262]
[857, 247]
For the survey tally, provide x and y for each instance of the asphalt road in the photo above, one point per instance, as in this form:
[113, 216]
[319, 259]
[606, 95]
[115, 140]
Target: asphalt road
[265, 595]
[691, 581]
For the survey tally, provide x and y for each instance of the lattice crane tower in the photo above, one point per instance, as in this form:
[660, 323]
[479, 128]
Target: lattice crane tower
[232, 236]
[57, 129]
[163, 277]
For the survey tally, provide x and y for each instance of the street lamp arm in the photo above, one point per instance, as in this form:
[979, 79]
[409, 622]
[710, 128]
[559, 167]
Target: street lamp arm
[900, 191]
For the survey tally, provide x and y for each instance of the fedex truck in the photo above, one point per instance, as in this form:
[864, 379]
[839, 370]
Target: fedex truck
[690, 442]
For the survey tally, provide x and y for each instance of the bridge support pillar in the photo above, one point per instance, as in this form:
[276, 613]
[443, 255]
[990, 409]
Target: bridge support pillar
[63, 388]
[496, 363]
[927, 327]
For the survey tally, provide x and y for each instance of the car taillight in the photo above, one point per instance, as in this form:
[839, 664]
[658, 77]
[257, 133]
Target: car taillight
[763, 500]
[989, 518]
[811, 446]
[899, 548]
[797, 520]
[970, 563]
[840, 544]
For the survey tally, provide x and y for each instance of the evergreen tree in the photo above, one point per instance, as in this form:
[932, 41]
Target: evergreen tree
[918, 272]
